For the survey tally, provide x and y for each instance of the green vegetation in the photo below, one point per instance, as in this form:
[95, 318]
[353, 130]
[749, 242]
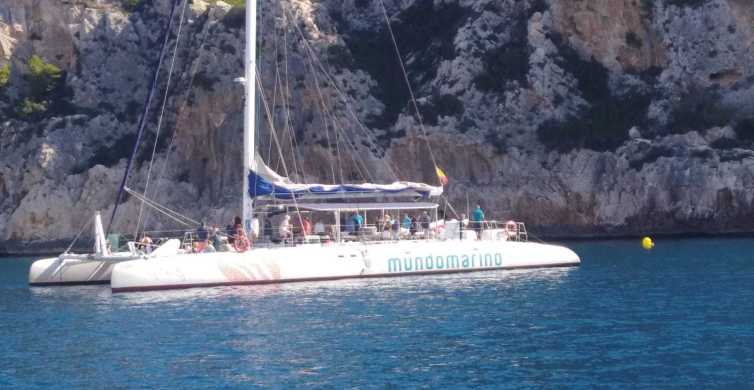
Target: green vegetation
[29, 107]
[43, 78]
[4, 75]
[236, 3]
[44, 81]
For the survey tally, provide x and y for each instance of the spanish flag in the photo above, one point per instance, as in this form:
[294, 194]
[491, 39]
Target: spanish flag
[441, 176]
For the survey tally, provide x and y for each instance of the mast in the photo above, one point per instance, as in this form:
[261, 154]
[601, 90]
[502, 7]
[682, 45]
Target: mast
[249, 121]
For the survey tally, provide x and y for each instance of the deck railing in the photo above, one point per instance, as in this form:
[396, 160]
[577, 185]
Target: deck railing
[490, 230]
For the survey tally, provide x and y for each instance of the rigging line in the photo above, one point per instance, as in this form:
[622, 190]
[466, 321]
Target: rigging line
[176, 216]
[89, 222]
[342, 96]
[173, 137]
[275, 92]
[336, 128]
[298, 168]
[408, 83]
[286, 78]
[271, 123]
[325, 122]
[365, 173]
[162, 112]
[142, 120]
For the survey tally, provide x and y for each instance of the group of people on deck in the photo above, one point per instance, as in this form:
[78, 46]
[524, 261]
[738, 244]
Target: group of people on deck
[300, 227]
[413, 225]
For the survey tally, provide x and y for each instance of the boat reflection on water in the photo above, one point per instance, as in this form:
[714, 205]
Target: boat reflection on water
[552, 278]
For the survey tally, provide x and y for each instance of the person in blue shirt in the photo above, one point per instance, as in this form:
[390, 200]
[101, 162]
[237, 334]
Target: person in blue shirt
[477, 217]
[358, 220]
[406, 222]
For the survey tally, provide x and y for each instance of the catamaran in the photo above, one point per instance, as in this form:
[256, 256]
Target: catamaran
[379, 250]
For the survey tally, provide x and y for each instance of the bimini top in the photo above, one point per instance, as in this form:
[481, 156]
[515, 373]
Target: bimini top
[365, 206]
[264, 182]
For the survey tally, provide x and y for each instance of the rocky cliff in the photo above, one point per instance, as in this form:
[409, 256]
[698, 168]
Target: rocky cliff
[581, 117]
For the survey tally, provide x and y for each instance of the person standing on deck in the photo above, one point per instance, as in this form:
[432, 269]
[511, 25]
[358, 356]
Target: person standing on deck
[202, 235]
[477, 216]
[284, 229]
[396, 229]
[426, 222]
[407, 222]
[358, 220]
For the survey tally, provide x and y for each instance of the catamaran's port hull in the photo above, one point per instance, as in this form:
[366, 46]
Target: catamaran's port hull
[346, 261]
[72, 270]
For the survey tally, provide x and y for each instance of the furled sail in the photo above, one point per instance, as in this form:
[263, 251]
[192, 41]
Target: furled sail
[264, 182]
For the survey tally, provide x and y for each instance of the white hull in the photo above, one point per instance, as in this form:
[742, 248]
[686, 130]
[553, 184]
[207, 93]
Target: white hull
[75, 269]
[335, 261]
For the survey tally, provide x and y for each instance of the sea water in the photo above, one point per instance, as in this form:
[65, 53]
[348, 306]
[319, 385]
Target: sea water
[681, 315]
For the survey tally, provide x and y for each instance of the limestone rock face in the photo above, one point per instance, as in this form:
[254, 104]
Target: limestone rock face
[582, 118]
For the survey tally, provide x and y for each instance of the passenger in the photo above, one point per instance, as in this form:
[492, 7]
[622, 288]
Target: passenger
[414, 226]
[268, 228]
[358, 221]
[230, 231]
[202, 234]
[478, 219]
[396, 229]
[461, 225]
[216, 237]
[407, 222]
[241, 243]
[426, 221]
[306, 226]
[284, 229]
[319, 228]
[387, 223]
[145, 244]
[209, 248]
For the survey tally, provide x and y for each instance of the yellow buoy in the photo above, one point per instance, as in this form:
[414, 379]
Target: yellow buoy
[647, 243]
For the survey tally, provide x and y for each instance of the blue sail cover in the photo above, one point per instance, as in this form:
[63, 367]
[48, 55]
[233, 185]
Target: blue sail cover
[264, 182]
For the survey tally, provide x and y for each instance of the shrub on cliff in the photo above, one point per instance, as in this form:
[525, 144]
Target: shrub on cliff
[44, 83]
[4, 75]
[43, 78]
[236, 3]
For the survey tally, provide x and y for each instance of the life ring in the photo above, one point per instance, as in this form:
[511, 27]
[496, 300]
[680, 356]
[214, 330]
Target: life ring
[241, 244]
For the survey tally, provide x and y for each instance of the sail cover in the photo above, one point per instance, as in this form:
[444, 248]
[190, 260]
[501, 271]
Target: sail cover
[264, 182]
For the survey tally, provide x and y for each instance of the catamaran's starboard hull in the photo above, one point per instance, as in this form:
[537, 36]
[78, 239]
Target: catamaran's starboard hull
[73, 270]
[341, 261]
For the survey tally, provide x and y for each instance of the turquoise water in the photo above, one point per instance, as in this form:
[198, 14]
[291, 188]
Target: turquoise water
[681, 315]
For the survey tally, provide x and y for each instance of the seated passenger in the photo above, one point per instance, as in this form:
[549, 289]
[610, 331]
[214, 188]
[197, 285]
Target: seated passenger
[284, 229]
[145, 244]
[319, 228]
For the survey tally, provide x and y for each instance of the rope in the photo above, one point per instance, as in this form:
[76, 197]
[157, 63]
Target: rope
[77, 237]
[340, 94]
[174, 215]
[142, 120]
[408, 83]
[189, 88]
[162, 114]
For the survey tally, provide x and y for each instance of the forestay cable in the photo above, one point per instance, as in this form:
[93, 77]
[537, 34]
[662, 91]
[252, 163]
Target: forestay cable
[162, 115]
[143, 119]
